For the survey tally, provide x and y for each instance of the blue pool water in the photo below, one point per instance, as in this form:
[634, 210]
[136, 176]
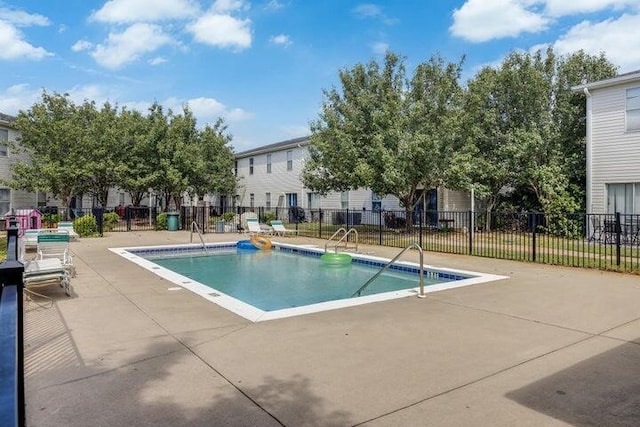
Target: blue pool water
[278, 279]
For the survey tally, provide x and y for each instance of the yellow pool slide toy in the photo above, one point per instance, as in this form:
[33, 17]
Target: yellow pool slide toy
[261, 242]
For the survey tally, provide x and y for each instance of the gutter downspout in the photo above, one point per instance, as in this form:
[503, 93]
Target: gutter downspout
[589, 147]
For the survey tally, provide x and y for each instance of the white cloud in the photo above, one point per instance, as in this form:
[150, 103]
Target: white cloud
[281, 39]
[126, 11]
[13, 45]
[208, 110]
[81, 45]
[223, 6]
[129, 45]
[223, 31]
[274, 5]
[616, 37]
[238, 115]
[22, 19]
[566, 7]
[367, 10]
[380, 48]
[18, 97]
[483, 20]
[157, 60]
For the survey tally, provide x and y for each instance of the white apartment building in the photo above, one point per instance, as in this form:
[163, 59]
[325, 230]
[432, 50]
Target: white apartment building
[613, 144]
[269, 176]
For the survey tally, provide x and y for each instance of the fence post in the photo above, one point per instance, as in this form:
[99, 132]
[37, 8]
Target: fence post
[470, 232]
[127, 214]
[420, 225]
[380, 226]
[319, 223]
[534, 224]
[11, 272]
[618, 232]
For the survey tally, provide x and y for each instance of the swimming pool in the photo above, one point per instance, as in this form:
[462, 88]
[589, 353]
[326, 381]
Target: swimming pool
[289, 280]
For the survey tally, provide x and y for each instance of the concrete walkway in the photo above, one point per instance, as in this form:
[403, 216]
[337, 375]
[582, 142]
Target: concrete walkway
[549, 346]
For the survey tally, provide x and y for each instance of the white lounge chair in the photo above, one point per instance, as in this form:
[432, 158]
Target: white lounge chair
[56, 245]
[254, 227]
[30, 239]
[68, 226]
[280, 229]
[45, 272]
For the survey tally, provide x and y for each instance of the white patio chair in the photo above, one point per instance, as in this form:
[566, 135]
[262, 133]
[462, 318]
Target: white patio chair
[56, 245]
[254, 227]
[68, 227]
[45, 272]
[281, 230]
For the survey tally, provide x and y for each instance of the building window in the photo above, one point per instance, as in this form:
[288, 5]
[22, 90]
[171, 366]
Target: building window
[252, 200]
[4, 141]
[376, 202]
[313, 200]
[235, 168]
[251, 166]
[633, 108]
[344, 200]
[268, 163]
[5, 200]
[289, 160]
[292, 199]
[623, 198]
[267, 198]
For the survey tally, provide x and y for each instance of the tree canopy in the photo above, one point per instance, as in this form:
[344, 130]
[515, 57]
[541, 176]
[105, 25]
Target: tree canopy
[388, 132]
[516, 129]
[81, 149]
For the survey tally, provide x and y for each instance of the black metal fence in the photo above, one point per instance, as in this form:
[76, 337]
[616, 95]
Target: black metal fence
[604, 241]
[12, 399]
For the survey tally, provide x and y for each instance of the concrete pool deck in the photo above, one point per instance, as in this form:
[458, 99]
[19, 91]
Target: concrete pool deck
[548, 346]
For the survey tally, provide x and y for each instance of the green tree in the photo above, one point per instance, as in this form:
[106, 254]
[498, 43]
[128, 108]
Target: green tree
[51, 132]
[528, 127]
[389, 133]
[103, 150]
[138, 169]
[213, 170]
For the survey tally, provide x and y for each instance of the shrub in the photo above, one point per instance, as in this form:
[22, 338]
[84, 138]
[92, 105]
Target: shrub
[161, 221]
[267, 217]
[85, 225]
[110, 220]
[228, 216]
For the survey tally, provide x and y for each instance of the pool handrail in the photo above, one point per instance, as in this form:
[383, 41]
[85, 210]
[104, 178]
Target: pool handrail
[197, 227]
[387, 265]
[346, 233]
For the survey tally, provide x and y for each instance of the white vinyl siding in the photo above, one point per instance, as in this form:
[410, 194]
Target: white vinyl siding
[271, 189]
[615, 154]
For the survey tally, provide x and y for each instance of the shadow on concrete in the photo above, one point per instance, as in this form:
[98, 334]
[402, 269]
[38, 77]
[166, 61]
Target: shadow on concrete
[603, 390]
[166, 385]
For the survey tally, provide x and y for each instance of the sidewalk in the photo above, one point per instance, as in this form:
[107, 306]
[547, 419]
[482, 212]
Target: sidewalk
[549, 346]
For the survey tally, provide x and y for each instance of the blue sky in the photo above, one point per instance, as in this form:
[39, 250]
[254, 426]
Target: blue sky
[262, 65]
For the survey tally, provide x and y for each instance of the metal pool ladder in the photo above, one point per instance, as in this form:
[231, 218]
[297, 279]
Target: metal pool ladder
[387, 265]
[346, 233]
[195, 225]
